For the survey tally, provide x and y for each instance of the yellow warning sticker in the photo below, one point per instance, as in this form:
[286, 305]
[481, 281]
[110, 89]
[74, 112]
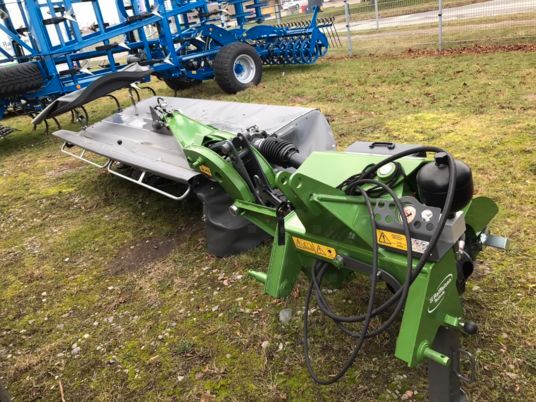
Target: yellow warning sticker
[205, 169]
[391, 239]
[314, 248]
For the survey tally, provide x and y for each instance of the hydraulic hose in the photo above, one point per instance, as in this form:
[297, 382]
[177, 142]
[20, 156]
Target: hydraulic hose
[373, 281]
[350, 186]
[400, 299]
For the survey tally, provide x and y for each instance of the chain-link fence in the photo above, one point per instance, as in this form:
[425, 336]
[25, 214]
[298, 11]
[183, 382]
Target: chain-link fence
[385, 25]
[376, 26]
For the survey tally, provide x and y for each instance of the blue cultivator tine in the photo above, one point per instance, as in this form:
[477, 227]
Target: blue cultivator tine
[332, 21]
[324, 27]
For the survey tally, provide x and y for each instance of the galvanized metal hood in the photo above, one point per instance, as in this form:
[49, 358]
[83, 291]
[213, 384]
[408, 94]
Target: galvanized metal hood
[129, 137]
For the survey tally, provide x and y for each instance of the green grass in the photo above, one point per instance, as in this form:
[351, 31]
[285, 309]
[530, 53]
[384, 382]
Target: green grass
[155, 333]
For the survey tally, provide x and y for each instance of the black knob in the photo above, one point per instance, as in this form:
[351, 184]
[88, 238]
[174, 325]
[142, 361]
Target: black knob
[441, 159]
[470, 328]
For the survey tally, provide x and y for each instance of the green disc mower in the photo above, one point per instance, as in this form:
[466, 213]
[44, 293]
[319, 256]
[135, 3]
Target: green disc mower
[386, 211]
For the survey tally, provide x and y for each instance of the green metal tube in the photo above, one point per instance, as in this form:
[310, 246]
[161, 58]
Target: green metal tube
[435, 356]
[259, 276]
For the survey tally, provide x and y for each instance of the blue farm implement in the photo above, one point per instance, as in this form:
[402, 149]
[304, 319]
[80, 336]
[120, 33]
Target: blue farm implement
[51, 48]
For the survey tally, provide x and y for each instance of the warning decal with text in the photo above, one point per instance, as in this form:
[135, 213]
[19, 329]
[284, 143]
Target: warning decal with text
[314, 248]
[398, 241]
[391, 239]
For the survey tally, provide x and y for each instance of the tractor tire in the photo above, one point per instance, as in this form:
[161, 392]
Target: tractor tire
[237, 66]
[19, 79]
[178, 84]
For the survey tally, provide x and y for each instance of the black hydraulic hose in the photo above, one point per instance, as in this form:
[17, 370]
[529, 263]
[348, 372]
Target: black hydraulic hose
[367, 317]
[372, 294]
[420, 265]
[448, 199]
[394, 297]
[412, 273]
[375, 191]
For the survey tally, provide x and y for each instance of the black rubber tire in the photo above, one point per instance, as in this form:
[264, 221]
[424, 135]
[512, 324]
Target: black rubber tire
[180, 83]
[224, 72]
[19, 79]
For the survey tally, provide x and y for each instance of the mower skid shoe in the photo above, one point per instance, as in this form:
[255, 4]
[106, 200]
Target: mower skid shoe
[226, 234]
[444, 384]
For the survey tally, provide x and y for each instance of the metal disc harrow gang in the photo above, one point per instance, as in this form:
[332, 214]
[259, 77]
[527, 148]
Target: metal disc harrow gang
[56, 47]
[301, 41]
[297, 42]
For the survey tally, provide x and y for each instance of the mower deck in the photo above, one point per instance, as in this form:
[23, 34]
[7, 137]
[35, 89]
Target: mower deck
[128, 137]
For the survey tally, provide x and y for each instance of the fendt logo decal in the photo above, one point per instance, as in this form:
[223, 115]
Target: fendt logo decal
[439, 294]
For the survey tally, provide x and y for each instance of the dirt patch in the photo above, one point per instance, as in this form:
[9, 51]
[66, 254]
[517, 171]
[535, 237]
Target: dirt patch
[469, 50]
[475, 49]
[133, 257]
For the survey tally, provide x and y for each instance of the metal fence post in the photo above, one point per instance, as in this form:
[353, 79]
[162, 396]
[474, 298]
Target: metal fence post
[377, 14]
[348, 33]
[278, 11]
[440, 24]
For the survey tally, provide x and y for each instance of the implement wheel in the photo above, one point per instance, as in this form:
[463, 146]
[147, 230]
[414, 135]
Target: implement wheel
[180, 83]
[236, 67]
[18, 79]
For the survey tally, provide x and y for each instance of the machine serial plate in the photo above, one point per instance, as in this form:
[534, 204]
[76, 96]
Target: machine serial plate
[314, 248]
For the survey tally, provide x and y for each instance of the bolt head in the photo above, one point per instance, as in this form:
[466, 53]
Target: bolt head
[233, 210]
